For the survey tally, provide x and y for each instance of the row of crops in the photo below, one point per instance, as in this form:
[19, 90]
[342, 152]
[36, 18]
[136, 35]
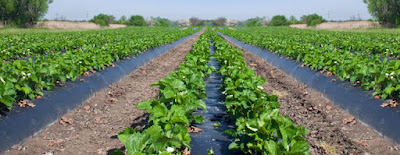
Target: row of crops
[363, 58]
[259, 128]
[33, 62]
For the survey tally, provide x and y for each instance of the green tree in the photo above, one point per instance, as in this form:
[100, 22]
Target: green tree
[312, 19]
[279, 20]
[162, 22]
[137, 20]
[103, 19]
[23, 13]
[257, 21]
[386, 11]
[293, 20]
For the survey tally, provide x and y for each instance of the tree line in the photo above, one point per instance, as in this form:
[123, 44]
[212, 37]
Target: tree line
[26, 13]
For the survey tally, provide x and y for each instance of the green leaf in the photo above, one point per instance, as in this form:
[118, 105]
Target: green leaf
[272, 147]
[123, 135]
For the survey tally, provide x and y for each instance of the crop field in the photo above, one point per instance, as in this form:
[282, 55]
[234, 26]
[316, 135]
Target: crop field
[200, 83]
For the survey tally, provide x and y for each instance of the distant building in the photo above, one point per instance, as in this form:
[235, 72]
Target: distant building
[183, 22]
[232, 22]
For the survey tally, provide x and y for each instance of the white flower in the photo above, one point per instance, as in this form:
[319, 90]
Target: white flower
[80, 62]
[392, 73]
[387, 74]
[335, 62]
[260, 87]
[29, 74]
[23, 73]
[23, 77]
[170, 149]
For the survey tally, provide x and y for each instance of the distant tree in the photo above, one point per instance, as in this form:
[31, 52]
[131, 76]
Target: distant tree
[221, 21]
[121, 20]
[194, 21]
[23, 13]
[293, 20]
[103, 19]
[387, 12]
[279, 20]
[162, 22]
[257, 21]
[137, 20]
[312, 19]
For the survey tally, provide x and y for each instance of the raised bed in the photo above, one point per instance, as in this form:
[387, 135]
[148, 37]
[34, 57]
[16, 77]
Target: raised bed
[356, 101]
[22, 123]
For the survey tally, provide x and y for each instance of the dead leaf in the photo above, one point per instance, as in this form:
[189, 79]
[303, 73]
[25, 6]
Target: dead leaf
[377, 97]
[22, 103]
[322, 72]
[193, 129]
[303, 65]
[38, 97]
[31, 105]
[329, 107]
[112, 65]
[351, 120]
[186, 151]
[363, 143]
[93, 71]
[385, 105]
[253, 64]
[333, 80]
[86, 73]
[81, 79]
[329, 74]
[66, 120]
[56, 142]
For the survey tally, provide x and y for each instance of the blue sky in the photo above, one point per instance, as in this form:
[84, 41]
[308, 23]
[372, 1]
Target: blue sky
[208, 9]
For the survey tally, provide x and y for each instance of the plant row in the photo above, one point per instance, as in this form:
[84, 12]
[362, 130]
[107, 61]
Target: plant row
[181, 93]
[260, 129]
[370, 71]
[28, 78]
[15, 46]
[385, 44]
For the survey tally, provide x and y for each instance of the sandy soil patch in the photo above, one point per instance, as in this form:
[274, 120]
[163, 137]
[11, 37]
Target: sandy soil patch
[341, 25]
[74, 25]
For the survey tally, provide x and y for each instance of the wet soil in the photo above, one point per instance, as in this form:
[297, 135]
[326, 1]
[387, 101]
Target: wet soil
[332, 130]
[93, 127]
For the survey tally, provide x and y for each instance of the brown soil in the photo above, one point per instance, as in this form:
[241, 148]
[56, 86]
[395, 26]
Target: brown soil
[331, 130]
[93, 127]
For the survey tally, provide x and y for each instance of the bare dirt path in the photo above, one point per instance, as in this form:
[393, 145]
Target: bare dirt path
[93, 127]
[332, 130]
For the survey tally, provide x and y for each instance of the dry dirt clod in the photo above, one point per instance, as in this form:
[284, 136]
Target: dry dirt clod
[378, 97]
[329, 107]
[81, 79]
[333, 80]
[303, 65]
[112, 65]
[86, 107]
[93, 71]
